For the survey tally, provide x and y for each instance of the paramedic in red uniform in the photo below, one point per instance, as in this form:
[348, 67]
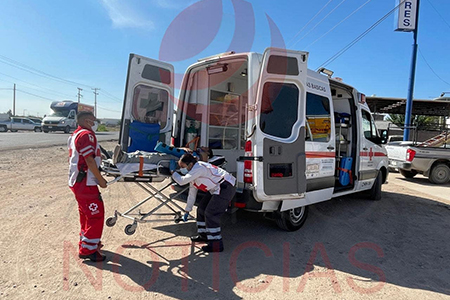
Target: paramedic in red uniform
[84, 176]
[219, 187]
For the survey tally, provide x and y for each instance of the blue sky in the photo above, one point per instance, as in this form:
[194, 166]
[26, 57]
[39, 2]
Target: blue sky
[86, 43]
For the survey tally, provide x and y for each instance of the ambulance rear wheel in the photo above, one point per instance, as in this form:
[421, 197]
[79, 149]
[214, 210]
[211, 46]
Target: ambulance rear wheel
[375, 191]
[130, 229]
[292, 219]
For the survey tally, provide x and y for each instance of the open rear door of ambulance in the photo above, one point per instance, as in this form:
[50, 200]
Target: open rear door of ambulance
[148, 105]
[279, 153]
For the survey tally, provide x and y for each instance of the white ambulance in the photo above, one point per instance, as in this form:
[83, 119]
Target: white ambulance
[292, 136]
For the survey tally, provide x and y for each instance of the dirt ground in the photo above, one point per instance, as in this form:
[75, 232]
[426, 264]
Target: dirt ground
[349, 248]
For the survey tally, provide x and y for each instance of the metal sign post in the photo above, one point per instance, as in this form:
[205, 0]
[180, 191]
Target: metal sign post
[411, 21]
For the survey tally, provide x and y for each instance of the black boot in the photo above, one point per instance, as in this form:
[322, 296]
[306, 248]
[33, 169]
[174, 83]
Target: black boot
[199, 238]
[96, 256]
[213, 246]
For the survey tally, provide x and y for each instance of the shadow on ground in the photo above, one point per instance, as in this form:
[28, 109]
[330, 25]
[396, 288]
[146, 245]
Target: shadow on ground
[401, 240]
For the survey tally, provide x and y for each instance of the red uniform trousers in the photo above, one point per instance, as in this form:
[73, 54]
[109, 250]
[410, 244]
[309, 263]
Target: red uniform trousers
[92, 214]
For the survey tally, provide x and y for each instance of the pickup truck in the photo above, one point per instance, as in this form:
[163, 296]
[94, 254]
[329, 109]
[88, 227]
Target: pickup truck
[432, 162]
[17, 123]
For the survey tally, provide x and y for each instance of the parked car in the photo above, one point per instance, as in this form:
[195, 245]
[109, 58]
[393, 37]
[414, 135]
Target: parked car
[18, 123]
[432, 162]
[35, 120]
[392, 148]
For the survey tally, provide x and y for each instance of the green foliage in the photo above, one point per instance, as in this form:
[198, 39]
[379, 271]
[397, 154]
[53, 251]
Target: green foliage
[419, 121]
[102, 128]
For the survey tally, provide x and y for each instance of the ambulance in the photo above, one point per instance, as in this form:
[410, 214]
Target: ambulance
[292, 136]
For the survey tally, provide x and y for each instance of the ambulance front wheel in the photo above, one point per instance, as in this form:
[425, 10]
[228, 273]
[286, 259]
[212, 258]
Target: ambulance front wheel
[111, 221]
[130, 229]
[292, 219]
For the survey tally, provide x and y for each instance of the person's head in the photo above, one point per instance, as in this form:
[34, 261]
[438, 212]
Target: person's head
[205, 153]
[86, 119]
[186, 162]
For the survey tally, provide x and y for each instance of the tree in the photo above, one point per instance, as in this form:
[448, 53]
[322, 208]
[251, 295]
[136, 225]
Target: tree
[419, 121]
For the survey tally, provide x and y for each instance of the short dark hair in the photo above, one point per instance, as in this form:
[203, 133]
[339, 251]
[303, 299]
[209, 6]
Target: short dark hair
[188, 158]
[84, 114]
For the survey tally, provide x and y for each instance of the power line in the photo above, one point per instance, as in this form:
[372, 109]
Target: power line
[438, 13]
[312, 19]
[111, 96]
[320, 22]
[342, 21]
[35, 71]
[54, 92]
[107, 109]
[31, 94]
[352, 43]
[423, 57]
[32, 70]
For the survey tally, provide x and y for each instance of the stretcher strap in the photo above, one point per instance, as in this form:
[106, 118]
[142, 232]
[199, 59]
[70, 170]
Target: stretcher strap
[141, 166]
[349, 173]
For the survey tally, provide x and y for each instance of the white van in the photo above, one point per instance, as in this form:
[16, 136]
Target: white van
[285, 130]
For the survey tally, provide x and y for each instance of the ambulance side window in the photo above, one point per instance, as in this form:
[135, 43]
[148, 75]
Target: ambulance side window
[318, 118]
[368, 126]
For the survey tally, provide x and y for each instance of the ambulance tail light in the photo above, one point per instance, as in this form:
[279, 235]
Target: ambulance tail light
[248, 172]
[410, 153]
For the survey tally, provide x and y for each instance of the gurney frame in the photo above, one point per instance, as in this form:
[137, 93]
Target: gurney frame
[144, 181]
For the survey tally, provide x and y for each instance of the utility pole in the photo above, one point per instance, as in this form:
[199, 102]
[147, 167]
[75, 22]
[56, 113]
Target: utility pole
[14, 100]
[412, 76]
[95, 100]
[79, 94]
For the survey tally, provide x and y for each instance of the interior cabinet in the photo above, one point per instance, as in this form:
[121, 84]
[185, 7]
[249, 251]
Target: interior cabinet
[225, 120]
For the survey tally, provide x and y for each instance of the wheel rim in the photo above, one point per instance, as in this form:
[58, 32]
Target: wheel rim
[296, 214]
[441, 174]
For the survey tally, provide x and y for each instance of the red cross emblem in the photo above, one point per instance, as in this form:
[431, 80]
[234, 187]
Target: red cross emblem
[370, 154]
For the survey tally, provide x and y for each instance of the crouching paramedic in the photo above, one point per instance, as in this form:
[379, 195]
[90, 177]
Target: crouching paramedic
[219, 187]
[84, 176]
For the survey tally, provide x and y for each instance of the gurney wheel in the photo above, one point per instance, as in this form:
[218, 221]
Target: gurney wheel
[111, 221]
[130, 229]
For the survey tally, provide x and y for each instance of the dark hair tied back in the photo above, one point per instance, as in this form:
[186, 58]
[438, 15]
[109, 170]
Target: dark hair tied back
[188, 158]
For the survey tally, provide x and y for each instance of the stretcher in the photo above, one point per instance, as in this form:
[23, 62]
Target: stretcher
[145, 176]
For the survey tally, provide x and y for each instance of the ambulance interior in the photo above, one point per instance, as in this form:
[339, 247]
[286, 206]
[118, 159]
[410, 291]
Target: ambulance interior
[345, 123]
[214, 107]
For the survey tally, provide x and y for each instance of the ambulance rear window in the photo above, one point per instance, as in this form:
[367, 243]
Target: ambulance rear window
[282, 65]
[156, 74]
[279, 109]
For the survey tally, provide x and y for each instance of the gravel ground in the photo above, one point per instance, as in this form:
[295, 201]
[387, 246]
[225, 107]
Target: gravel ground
[349, 248]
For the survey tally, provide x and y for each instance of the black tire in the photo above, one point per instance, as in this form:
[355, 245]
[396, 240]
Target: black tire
[111, 221]
[130, 229]
[375, 191]
[440, 174]
[293, 219]
[13, 130]
[67, 129]
[45, 131]
[37, 129]
[3, 128]
[408, 174]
